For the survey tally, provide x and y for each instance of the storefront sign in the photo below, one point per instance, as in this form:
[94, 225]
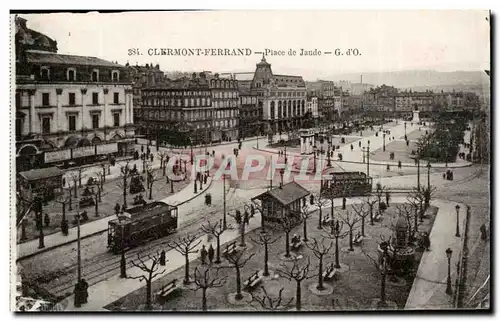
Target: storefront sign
[107, 149]
[83, 151]
[57, 156]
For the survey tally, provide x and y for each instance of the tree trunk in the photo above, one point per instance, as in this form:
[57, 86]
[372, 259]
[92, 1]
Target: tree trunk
[350, 239]
[204, 299]
[186, 269]
[363, 225]
[164, 168]
[242, 231]
[217, 260]
[76, 189]
[298, 297]
[371, 216]
[171, 186]
[266, 258]
[125, 191]
[96, 207]
[305, 230]
[382, 289]
[239, 296]
[337, 263]
[150, 190]
[287, 247]
[320, 222]
[148, 294]
[320, 286]
[64, 211]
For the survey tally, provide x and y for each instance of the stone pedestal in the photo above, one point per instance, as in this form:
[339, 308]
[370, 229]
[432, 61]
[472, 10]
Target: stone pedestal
[306, 141]
[416, 116]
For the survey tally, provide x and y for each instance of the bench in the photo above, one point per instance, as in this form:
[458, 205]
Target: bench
[329, 272]
[230, 249]
[377, 217]
[358, 239]
[253, 280]
[167, 289]
[296, 245]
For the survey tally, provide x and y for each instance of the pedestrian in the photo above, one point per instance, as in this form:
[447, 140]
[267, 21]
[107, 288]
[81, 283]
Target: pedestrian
[444, 175]
[142, 148]
[63, 181]
[46, 220]
[427, 241]
[163, 258]
[65, 227]
[84, 290]
[204, 254]
[152, 157]
[77, 295]
[211, 253]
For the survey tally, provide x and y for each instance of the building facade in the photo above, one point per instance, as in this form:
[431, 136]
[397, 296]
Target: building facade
[250, 115]
[282, 98]
[66, 104]
[225, 109]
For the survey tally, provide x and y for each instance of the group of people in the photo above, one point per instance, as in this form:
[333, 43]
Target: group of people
[81, 293]
[295, 239]
[204, 254]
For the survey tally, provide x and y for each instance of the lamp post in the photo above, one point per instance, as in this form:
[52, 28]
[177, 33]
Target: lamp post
[285, 155]
[448, 280]
[78, 250]
[314, 158]
[224, 221]
[329, 164]
[123, 264]
[405, 130]
[39, 213]
[282, 171]
[429, 177]
[457, 208]
[383, 147]
[418, 173]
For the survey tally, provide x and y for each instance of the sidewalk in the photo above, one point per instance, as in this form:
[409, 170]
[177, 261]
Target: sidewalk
[429, 286]
[54, 240]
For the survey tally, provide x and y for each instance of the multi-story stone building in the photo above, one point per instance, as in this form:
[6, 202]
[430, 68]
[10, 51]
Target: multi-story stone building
[250, 114]
[143, 77]
[225, 108]
[66, 105]
[381, 98]
[407, 101]
[178, 112]
[281, 97]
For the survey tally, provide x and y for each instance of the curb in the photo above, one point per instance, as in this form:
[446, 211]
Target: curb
[104, 230]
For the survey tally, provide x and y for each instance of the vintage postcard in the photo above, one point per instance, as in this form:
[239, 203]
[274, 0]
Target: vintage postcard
[250, 161]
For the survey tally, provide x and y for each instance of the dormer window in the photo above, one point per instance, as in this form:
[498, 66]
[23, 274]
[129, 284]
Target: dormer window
[95, 75]
[45, 73]
[115, 75]
[71, 74]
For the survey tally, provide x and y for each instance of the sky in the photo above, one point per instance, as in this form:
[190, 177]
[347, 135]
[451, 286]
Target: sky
[387, 40]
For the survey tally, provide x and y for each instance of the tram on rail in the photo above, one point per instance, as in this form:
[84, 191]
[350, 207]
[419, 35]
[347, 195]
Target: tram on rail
[141, 224]
[347, 184]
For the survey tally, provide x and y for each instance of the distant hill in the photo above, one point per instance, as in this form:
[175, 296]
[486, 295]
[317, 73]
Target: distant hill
[422, 78]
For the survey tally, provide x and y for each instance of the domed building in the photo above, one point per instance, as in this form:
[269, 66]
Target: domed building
[68, 108]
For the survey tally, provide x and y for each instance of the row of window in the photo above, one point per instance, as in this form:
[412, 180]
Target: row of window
[248, 100]
[225, 94]
[225, 104]
[71, 74]
[288, 93]
[282, 112]
[46, 122]
[192, 116]
[224, 83]
[168, 93]
[71, 99]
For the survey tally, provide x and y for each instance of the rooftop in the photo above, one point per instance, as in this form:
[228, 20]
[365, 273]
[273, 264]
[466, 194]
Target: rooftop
[41, 173]
[43, 57]
[286, 194]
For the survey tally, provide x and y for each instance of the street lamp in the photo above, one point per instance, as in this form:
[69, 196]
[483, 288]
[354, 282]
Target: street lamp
[429, 177]
[314, 157]
[123, 271]
[448, 280]
[418, 173]
[383, 148]
[224, 201]
[405, 130]
[39, 213]
[457, 208]
[282, 171]
[285, 155]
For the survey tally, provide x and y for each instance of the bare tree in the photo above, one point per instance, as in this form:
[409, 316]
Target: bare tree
[362, 213]
[298, 273]
[216, 230]
[151, 273]
[305, 214]
[237, 261]
[265, 238]
[379, 192]
[74, 178]
[320, 249]
[241, 220]
[336, 233]
[101, 178]
[125, 174]
[63, 200]
[151, 178]
[96, 196]
[287, 224]
[259, 208]
[417, 200]
[205, 279]
[382, 267]
[162, 156]
[103, 173]
[185, 246]
[321, 202]
[370, 202]
[408, 212]
[350, 220]
[269, 303]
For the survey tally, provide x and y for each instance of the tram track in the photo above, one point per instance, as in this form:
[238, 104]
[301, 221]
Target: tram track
[105, 265]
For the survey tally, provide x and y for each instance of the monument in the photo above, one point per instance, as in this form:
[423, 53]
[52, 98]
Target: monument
[416, 115]
[306, 141]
